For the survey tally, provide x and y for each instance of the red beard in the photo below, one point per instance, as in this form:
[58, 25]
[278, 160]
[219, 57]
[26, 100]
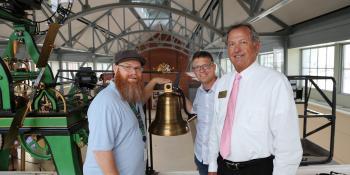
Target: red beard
[129, 91]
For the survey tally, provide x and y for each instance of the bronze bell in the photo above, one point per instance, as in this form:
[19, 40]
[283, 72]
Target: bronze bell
[168, 120]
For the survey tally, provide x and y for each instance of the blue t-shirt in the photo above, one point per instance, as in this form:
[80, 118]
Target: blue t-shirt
[113, 126]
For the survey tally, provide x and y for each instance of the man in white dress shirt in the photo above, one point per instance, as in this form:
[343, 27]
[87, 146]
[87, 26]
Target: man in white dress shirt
[264, 138]
[204, 68]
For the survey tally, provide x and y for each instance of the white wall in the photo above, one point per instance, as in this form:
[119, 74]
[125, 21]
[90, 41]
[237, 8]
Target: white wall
[293, 62]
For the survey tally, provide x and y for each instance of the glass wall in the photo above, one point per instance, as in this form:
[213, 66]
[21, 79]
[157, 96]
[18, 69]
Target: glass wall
[346, 69]
[226, 65]
[319, 62]
[70, 65]
[273, 60]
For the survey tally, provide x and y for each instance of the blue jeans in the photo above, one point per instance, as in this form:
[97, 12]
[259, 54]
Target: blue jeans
[202, 168]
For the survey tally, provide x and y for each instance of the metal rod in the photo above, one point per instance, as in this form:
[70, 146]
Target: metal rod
[150, 170]
[318, 129]
[23, 159]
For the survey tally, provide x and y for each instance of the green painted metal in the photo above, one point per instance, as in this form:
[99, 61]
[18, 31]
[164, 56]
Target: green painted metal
[73, 91]
[30, 45]
[66, 155]
[5, 76]
[61, 147]
[34, 149]
[4, 159]
[32, 50]
[37, 122]
[49, 95]
[21, 34]
[81, 137]
[21, 76]
[76, 117]
[46, 122]
[5, 82]
[8, 52]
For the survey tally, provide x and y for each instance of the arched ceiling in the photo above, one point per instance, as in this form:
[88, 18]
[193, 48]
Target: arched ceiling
[107, 26]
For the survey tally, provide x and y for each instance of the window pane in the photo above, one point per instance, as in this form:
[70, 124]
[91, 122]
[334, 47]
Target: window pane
[272, 60]
[109, 66]
[269, 63]
[330, 57]
[347, 56]
[306, 72]
[229, 66]
[99, 66]
[321, 72]
[89, 64]
[329, 85]
[279, 57]
[321, 83]
[279, 69]
[316, 81]
[273, 64]
[346, 69]
[54, 67]
[279, 61]
[322, 54]
[64, 67]
[313, 72]
[261, 59]
[80, 64]
[329, 72]
[223, 65]
[306, 58]
[72, 66]
[313, 58]
[346, 81]
[104, 66]
[321, 64]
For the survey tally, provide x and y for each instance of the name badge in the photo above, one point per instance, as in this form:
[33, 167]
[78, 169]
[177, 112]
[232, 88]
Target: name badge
[222, 94]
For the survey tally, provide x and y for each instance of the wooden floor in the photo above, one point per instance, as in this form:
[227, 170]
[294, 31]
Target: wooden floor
[342, 133]
[176, 153]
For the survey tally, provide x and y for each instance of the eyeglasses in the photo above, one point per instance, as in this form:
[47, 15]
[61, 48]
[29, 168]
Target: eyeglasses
[130, 68]
[202, 67]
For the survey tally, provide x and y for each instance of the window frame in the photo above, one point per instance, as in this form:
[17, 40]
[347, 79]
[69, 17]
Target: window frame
[276, 65]
[316, 67]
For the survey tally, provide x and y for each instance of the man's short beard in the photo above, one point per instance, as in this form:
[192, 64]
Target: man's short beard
[129, 91]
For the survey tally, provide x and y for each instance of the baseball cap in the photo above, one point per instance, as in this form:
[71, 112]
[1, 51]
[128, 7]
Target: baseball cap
[127, 55]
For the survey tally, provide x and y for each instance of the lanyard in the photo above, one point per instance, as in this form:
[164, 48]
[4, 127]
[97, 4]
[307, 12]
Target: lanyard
[139, 119]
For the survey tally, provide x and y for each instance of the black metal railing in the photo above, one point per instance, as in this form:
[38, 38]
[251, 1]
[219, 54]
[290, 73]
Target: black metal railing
[302, 87]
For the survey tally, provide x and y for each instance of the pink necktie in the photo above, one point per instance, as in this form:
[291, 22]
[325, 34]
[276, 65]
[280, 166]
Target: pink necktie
[225, 143]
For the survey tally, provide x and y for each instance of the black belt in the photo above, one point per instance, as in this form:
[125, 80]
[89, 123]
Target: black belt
[242, 165]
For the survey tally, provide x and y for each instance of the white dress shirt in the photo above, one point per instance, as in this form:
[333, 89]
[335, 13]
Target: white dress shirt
[265, 121]
[203, 107]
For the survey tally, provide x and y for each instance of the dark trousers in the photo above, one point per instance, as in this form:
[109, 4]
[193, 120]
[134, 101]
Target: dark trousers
[263, 166]
[202, 168]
